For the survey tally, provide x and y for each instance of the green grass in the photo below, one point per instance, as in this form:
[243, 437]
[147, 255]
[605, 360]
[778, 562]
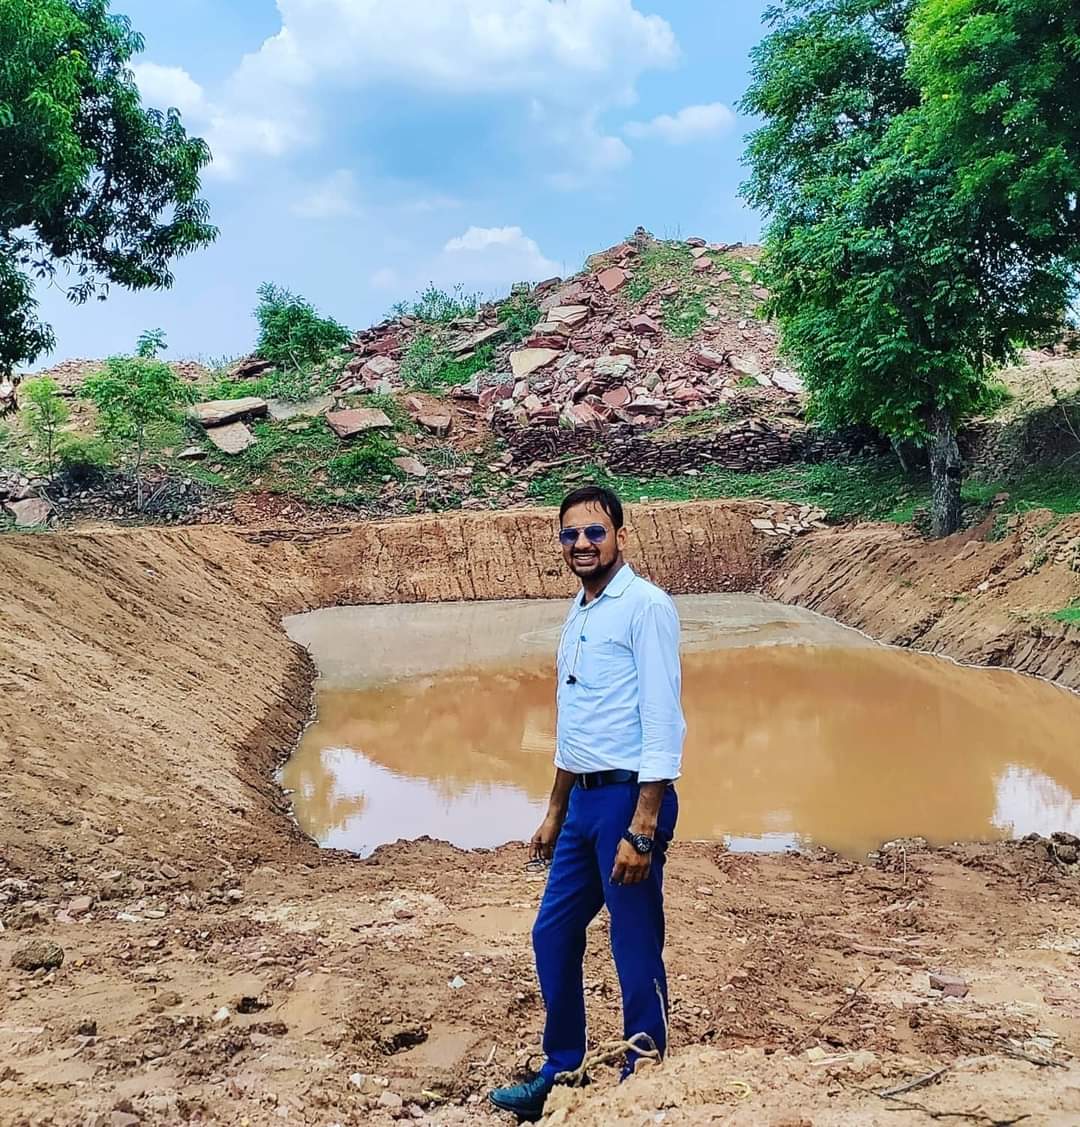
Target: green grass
[704, 421]
[1069, 614]
[1056, 488]
[869, 490]
[429, 366]
[310, 463]
[435, 306]
[520, 314]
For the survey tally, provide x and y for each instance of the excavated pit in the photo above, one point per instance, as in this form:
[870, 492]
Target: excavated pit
[220, 967]
[439, 721]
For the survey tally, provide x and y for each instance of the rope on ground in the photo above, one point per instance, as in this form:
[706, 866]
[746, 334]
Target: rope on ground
[608, 1053]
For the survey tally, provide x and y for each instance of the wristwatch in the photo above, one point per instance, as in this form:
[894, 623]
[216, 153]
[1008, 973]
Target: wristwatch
[641, 842]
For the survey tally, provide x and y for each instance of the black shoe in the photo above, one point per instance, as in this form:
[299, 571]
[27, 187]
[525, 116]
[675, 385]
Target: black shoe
[525, 1100]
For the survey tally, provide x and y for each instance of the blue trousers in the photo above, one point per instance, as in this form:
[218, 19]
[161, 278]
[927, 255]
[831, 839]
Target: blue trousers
[578, 886]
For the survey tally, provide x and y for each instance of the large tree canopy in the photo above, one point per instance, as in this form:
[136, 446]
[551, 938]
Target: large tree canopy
[899, 281]
[92, 183]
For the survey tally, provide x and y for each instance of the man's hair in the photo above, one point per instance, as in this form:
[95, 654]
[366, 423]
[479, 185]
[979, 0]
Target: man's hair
[594, 495]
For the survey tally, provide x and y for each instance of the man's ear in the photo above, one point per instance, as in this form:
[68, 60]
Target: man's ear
[620, 538]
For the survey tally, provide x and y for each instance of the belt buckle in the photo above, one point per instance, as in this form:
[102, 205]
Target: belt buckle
[584, 781]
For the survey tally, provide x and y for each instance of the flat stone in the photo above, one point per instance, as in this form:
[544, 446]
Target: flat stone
[788, 381]
[699, 252]
[192, 454]
[703, 265]
[411, 467]
[555, 340]
[950, 985]
[617, 397]
[34, 512]
[696, 241]
[219, 412]
[613, 367]
[748, 365]
[573, 316]
[281, 412]
[80, 905]
[233, 438]
[478, 340]
[529, 360]
[644, 326]
[358, 420]
[709, 359]
[762, 525]
[438, 425]
[250, 369]
[646, 406]
[379, 368]
[612, 279]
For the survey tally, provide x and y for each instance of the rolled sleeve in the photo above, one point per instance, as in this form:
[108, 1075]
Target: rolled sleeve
[655, 642]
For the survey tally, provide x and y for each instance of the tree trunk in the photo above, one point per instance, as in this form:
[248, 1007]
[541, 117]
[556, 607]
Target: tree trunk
[946, 473]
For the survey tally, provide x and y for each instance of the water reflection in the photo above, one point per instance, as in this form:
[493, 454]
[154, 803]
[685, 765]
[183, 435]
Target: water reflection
[845, 747]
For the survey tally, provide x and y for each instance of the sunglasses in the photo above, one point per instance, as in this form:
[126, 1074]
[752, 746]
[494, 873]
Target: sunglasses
[594, 533]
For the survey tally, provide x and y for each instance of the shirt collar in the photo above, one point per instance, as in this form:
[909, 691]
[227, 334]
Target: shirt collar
[623, 578]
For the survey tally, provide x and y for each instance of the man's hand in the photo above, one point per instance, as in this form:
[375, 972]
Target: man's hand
[543, 841]
[631, 867]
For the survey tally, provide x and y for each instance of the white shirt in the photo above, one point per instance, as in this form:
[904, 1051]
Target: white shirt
[620, 683]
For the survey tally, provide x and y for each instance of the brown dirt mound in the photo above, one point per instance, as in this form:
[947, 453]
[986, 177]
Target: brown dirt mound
[220, 969]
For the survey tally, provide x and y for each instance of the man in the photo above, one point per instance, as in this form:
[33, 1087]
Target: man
[613, 808]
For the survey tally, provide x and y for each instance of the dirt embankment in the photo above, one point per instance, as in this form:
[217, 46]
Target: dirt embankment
[220, 969]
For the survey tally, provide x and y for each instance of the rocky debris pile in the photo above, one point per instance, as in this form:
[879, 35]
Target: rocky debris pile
[605, 348]
[225, 422]
[22, 500]
[69, 375]
[1061, 849]
[790, 521]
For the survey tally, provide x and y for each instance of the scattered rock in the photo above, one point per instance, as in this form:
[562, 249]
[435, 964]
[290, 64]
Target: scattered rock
[644, 326]
[950, 985]
[250, 369]
[788, 381]
[37, 954]
[573, 316]
[613, 279]
[281, 412]
[80, 905]
[391, 1101]
[219, 412]
[438, 425]
[233, 438]
[746, 365]
[709, 359]
[703, 265]
[457, 982]
[411, 467]
[528, 360]
[617, 397]
[192, 454]
[34, 512]
[358, 420]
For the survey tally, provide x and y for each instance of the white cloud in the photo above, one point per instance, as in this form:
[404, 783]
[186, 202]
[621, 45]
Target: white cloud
[168, 87]
[574, 58]
[689, 124]
[496, 255]
[332, 198]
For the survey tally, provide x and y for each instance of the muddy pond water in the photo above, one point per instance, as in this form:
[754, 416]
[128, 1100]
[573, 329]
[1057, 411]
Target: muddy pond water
[439, 720]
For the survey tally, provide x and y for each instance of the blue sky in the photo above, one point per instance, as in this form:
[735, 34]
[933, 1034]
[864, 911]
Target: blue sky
[365, 147]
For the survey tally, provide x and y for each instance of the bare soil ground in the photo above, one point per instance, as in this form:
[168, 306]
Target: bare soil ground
[218, 968]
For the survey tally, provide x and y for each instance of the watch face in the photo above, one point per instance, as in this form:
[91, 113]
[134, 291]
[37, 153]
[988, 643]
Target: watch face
[642, 844]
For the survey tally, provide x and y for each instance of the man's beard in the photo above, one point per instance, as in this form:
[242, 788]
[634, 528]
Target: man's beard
[600, 571]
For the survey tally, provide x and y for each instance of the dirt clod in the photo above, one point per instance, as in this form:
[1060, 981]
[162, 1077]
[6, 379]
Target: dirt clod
[37, 954]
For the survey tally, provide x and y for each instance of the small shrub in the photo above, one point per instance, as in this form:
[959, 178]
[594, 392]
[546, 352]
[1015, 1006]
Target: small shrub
[84, 458]
[371, 458]
[437, 307]
[1069, 614]
[44, 413]
[428, 366]
[291, 333]
[520, 315]
[292, 385]
[132, 395]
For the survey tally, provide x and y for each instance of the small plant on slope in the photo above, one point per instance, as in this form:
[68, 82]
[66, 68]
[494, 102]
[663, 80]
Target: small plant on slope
[131, 395]
[44, 414]
[292, 335]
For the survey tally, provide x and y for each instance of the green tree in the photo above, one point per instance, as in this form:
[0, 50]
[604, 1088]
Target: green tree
[877, 271]
[92, 183]
[132, 394]
[44, 414]
[292, 334]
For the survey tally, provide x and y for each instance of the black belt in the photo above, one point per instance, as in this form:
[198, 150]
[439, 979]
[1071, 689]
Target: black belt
[605, 779]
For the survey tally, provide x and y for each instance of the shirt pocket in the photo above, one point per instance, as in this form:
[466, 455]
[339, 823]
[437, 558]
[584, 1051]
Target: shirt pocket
[604, 664]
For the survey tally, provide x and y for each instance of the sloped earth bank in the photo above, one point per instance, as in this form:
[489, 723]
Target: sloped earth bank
[218, 968]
